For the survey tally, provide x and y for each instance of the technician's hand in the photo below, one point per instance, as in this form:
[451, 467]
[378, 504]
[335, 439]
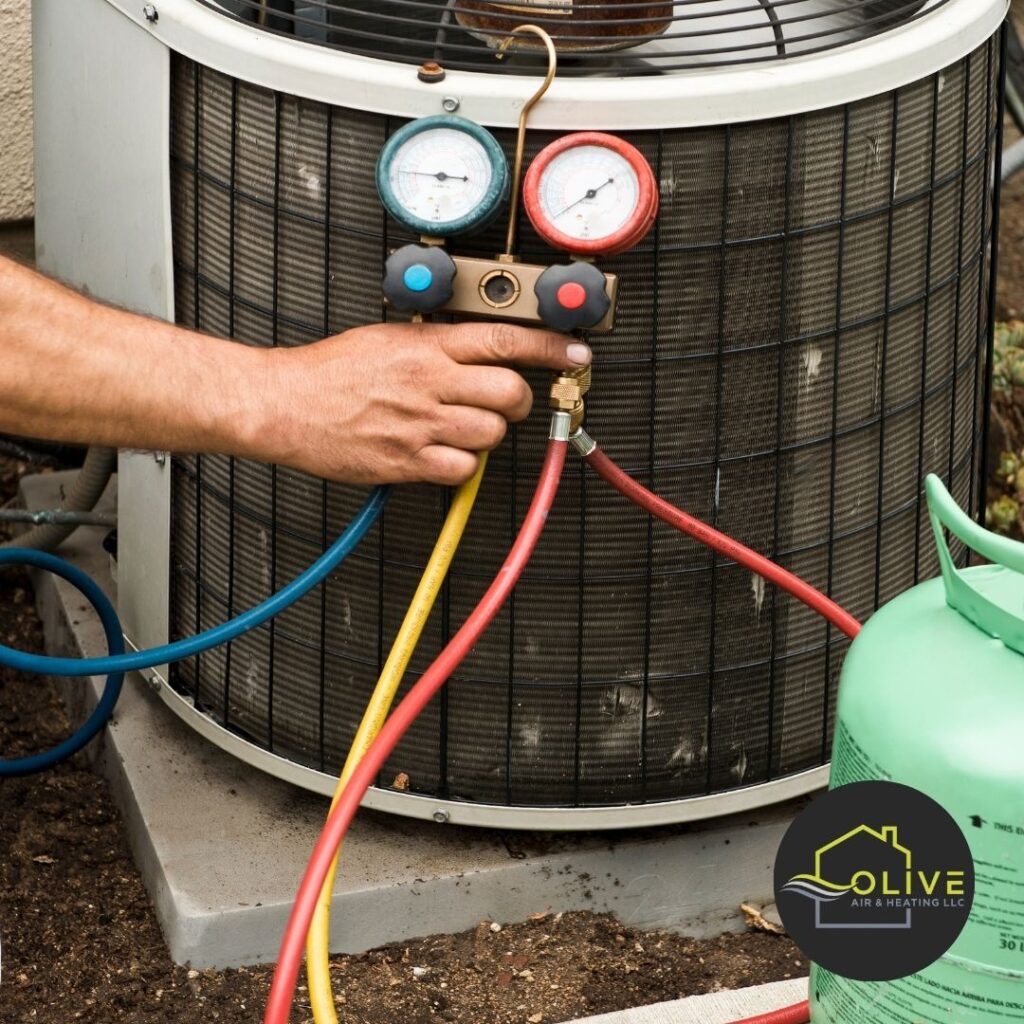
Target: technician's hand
[387, 403]
[391, 403]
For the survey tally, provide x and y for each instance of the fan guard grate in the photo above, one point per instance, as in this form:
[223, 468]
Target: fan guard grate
[622, 37]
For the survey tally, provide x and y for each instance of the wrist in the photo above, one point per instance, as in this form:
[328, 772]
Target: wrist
[263, 423]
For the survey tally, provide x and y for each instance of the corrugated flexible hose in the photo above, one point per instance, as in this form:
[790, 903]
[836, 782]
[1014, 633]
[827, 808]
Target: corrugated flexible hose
[82, 496]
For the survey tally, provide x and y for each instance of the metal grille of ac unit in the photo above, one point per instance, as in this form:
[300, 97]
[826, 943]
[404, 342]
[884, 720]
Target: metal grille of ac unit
[800, 339]
[621, 37]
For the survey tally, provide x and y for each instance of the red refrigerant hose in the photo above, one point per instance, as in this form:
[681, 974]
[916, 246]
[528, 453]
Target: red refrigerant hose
[798, 1013]
[608, 471]
[282, 989]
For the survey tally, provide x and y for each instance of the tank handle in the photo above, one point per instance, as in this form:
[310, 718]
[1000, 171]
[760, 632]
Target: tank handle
[994, 599]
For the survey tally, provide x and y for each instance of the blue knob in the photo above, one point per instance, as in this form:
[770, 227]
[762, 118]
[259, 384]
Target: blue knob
[418, 277]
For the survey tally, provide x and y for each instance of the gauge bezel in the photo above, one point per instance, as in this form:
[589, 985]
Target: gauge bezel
[635, 228]
[489, 206]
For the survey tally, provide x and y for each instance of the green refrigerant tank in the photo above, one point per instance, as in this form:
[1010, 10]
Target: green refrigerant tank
[932, 696]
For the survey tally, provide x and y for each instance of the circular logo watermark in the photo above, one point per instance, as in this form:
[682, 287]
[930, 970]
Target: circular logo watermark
[874, 881]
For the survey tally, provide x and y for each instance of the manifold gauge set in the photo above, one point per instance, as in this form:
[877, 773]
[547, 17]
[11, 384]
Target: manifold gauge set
[588, 194]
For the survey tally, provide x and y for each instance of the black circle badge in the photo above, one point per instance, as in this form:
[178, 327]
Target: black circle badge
[874, 881]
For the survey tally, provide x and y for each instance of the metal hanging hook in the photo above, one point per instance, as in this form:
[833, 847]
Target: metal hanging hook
[517, 163]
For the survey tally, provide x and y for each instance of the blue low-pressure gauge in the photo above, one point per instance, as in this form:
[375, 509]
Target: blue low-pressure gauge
[442, 176]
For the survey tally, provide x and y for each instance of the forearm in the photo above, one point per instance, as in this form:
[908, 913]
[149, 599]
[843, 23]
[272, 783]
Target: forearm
[381, 403]
[74, 370]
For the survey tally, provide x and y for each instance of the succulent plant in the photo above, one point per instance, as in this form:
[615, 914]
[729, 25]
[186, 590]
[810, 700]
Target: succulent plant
[1003, 514]
[1008, 357]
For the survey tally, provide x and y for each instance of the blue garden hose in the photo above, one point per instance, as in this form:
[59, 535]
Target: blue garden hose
[116, 663]
[115, 645]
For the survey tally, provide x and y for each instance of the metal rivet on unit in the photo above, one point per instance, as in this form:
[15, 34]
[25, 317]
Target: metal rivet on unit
[151, 13]
[430, 71]
[154, 682]
[441, 817]
[451, 103]
[159, 458]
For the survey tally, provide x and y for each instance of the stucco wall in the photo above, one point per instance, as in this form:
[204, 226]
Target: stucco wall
[15, 110]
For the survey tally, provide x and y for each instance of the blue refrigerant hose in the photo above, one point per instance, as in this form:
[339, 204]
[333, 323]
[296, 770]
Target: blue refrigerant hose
[91, 591]
[117, 662]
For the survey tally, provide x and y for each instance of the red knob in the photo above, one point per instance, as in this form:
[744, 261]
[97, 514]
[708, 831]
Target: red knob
[571, 295]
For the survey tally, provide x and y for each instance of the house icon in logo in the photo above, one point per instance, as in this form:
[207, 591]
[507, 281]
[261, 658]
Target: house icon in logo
[851, 886]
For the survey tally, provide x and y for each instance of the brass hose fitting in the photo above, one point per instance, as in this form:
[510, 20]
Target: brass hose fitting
[567, 390]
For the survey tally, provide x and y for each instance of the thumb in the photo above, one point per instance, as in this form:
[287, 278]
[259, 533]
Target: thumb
[479, 343]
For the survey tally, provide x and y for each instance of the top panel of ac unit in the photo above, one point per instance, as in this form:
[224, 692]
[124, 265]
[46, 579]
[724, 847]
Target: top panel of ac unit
[626, 64]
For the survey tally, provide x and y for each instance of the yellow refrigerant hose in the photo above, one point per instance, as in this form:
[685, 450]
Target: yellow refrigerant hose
[318, 972]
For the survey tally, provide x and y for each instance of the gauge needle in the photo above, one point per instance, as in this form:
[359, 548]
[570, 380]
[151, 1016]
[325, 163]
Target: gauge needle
[440, 175]
[589, 194]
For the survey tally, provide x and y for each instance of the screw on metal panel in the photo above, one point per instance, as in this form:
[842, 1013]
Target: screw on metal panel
[154, 682]
[430, 71]
[441, 817]
[159, 458]
[151, 13]
[451, 104]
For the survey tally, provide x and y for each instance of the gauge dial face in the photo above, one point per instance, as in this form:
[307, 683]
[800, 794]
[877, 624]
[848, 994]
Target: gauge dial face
[442, 178]
[591, 194]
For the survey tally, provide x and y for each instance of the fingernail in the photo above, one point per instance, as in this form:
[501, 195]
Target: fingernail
[578, 353]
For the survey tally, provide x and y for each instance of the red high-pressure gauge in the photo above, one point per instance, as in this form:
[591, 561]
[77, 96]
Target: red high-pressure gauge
[591, 194]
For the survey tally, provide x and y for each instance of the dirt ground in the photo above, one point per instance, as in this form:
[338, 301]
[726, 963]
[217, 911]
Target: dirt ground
[80, 942]
[1010, 292]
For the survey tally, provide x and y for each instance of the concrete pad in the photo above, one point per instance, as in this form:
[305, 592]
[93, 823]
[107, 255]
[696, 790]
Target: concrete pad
[222, 847]
[714, 1008]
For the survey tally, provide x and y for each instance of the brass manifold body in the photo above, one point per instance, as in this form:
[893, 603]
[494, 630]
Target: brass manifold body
[567, 390]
